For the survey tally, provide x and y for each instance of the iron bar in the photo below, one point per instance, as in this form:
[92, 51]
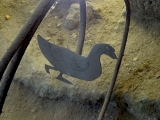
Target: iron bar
[82, 27]
[122, 49]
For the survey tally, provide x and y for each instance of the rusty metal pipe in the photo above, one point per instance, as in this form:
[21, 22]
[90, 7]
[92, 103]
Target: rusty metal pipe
[22, 34]
[7, 79]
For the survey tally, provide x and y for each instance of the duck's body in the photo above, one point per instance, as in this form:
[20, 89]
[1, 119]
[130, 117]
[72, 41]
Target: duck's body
[72, 64]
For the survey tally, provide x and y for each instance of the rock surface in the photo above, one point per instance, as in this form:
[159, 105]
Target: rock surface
[72, 19]
[138, 83]
[146, 9]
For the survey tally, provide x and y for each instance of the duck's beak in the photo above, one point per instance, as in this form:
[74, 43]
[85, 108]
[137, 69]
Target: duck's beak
[113, 56]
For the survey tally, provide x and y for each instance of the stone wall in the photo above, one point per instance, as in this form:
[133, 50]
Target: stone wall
[146, 9]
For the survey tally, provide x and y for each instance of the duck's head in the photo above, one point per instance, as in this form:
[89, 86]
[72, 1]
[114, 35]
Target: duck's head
[105, 49]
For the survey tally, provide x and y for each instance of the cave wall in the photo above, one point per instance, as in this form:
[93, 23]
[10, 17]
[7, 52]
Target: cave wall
[146, 9]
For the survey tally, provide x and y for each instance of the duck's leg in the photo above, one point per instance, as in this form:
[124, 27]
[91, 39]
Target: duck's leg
[47, 67]
[59, 77]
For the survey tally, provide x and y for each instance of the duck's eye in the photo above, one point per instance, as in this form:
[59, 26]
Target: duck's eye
[107, 48]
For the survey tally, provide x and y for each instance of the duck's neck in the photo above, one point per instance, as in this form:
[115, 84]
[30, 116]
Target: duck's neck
[94, 60]
[94, 55]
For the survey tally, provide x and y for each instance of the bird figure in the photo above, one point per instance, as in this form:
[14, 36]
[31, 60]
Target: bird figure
[72, 64]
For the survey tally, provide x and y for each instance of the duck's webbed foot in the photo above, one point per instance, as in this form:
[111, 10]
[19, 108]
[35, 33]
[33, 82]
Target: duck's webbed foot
[59, 77]
[47, 67]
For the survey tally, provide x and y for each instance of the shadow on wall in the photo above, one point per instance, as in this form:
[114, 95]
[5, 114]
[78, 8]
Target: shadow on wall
[146, 9]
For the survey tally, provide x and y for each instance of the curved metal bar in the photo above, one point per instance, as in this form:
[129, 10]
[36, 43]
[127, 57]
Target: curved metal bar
[82, 27]
[113, 81]
[21, 36]
[6, 82]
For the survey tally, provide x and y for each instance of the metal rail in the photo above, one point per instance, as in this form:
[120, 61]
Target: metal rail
[82, 27]
[18, 47]
[113, 81]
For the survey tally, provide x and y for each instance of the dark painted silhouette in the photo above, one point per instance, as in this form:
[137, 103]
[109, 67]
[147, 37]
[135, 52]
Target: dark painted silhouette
[69, 63]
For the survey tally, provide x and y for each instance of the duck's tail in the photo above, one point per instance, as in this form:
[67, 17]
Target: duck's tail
[45, 47]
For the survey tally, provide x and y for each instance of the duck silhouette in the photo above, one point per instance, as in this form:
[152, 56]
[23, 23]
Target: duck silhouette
[72, 64]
